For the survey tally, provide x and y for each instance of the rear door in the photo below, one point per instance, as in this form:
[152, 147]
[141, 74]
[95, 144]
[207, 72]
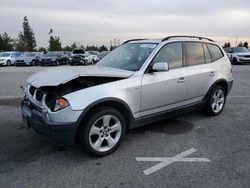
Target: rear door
[201, 70]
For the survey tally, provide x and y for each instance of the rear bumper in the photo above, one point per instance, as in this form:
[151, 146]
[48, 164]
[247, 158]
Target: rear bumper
[62, 134]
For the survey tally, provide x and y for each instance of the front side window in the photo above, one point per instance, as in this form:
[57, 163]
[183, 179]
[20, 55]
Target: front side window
[171, 54]
[130, 56]
[215, 52]
[194, 53]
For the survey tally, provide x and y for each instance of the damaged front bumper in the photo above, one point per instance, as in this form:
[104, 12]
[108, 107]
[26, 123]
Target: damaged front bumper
[62, 134]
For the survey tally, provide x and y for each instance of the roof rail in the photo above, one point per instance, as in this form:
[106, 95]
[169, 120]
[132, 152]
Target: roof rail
[131, 40]
[187, 36]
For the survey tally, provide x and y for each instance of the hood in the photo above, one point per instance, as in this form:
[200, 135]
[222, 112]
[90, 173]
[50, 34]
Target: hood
[60, 75]
[242, 53]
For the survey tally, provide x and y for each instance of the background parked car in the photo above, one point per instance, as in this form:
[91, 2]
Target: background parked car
[102, 54]
[54, 58]
[238, 55]
[29, 58]
[8, 58]
[81, 57]
[93, 55]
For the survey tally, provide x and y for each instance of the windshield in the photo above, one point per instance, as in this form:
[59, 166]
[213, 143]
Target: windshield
[5, 55]
[240, 49]
[30, 55]
[128, 56]
[51, 54]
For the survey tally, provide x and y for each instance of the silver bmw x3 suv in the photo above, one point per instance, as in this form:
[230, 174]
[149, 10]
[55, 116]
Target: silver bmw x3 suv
[140, 82]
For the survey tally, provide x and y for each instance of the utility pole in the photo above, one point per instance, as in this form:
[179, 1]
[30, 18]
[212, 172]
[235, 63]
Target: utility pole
[236, 41]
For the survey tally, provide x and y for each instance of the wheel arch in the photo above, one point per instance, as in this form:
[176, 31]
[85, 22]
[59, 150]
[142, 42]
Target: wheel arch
[221, 82]
[115, 103]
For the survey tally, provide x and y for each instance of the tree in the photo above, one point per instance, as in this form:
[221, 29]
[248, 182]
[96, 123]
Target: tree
[103, 48]
[240, 44]
[227, 44]
[67, 48]
[54, 42]
[94, 48]
[22, 45]
[27, 41]
[73, 45]
[246, 45]
[42, 49]
[6, 43]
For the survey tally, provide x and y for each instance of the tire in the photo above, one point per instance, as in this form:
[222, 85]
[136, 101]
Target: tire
[92, 61]
[235, 62]
[8, 63]
[33, 63]
[216, 101]
[99, 138]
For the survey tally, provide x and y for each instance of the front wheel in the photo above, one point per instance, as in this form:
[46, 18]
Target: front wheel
[216, 101]
[8, 63]
[103, 132]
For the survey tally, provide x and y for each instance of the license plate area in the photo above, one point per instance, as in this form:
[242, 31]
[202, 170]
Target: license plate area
[26, 121]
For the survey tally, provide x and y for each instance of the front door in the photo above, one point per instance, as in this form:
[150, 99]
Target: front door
[165, 90]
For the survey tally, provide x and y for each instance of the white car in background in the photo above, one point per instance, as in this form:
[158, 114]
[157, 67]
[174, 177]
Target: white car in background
[81, 57]
[94, 55]
[238, 55]
[9, 58]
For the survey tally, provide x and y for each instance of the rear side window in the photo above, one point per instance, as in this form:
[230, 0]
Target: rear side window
[194, 53]
[215, 52]
[170, 53]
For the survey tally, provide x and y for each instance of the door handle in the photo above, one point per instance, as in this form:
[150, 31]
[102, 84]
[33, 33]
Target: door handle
[211, 73]
[181, 80]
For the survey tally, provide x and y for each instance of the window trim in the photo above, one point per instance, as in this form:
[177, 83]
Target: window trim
[205, 44]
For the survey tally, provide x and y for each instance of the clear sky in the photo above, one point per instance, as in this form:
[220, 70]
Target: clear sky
[99, 21]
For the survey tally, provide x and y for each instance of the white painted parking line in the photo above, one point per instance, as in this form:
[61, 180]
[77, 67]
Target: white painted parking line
[239, 96]
[165, 161]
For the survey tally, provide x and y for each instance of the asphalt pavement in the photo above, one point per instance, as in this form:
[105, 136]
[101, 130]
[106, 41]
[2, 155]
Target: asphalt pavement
[175, 145]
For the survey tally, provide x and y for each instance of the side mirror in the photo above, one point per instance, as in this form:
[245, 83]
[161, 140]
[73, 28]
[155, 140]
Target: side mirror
[161, 66]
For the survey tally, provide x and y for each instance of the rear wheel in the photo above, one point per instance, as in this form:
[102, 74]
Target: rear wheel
[8, 63]
[103, 131]
[216, 101]
[33, 63]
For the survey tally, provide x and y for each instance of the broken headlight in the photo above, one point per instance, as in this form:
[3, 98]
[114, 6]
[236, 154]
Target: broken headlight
[61, 104]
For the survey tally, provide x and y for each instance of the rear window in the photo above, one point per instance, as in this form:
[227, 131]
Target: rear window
[215, 52]
[78, 51]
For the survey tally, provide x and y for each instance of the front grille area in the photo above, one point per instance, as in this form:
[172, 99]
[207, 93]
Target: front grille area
[20, 61]
[36, 93]
[39, 95]
[32, 90]
[247, 56]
